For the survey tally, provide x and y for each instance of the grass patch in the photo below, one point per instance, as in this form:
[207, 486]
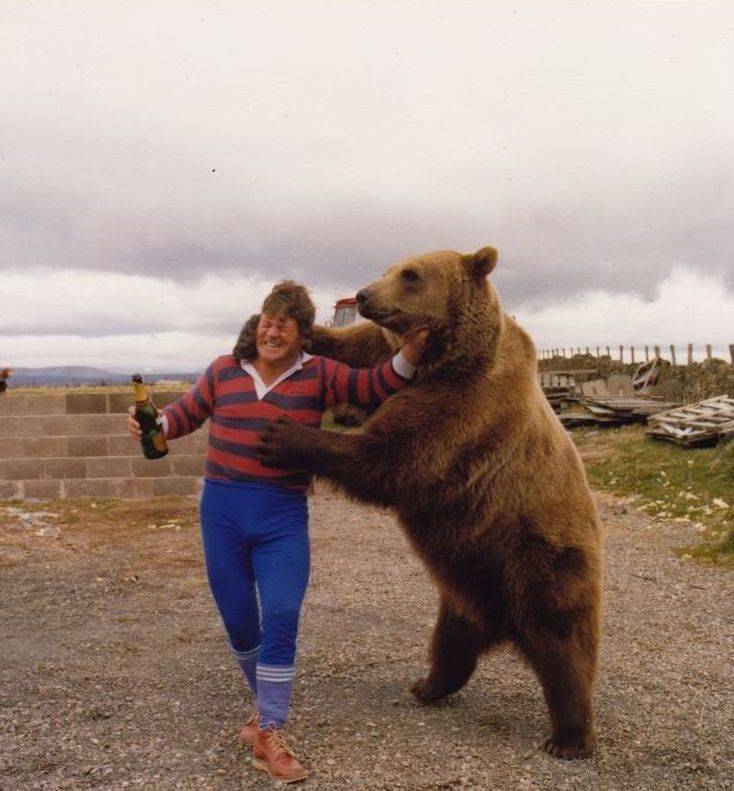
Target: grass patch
[668, 482]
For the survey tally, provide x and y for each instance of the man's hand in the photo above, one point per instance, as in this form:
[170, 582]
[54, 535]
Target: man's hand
[415, 345]
[284, 443]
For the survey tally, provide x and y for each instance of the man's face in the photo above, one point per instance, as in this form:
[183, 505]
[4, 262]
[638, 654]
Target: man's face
[277, 339]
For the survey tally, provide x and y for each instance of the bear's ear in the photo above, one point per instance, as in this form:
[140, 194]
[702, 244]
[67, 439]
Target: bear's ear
[478, 265]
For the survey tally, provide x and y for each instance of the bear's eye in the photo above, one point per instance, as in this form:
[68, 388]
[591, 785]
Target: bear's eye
[409, 275]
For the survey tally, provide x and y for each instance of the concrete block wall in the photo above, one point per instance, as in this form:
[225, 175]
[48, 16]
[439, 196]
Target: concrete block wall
[76, 445]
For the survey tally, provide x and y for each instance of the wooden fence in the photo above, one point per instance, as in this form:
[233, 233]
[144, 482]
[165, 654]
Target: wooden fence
[646, 353]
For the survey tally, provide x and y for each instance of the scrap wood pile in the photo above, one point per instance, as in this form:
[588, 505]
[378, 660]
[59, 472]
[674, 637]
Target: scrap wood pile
[559, 388]
[611, 402]
[703, 423]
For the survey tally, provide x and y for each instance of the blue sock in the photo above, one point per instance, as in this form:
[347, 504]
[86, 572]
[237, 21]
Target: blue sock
[247, 660]
[274, 687]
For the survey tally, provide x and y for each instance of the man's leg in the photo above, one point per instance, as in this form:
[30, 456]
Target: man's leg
[231, 576]
[281, 564]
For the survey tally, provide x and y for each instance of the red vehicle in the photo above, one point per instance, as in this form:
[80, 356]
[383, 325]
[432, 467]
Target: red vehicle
[346, 313]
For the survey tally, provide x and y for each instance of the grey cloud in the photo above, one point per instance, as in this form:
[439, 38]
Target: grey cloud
[546, 251]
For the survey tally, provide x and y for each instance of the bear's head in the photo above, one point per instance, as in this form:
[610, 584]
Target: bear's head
[445, 291]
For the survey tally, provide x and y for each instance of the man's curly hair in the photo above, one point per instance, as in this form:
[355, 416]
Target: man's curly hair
[287, 299]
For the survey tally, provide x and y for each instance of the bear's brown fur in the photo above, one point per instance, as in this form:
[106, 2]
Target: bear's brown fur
[485, 482]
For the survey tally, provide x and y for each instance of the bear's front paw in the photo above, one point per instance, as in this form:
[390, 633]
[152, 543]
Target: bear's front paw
[569, 747]
[424, 691]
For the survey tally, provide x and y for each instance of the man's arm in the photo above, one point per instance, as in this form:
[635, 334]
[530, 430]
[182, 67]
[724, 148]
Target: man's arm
[189, 412]
[371, 386]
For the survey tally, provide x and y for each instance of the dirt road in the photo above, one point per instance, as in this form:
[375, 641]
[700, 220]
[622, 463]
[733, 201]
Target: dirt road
[114, 672]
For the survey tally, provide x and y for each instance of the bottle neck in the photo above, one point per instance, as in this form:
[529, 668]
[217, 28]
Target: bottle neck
[140, 395]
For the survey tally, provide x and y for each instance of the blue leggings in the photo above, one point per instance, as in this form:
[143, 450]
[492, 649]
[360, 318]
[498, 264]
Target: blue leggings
[256, 546]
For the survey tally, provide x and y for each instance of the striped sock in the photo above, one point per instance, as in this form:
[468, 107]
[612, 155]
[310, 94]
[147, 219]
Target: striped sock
[247, 660]
[274, 686]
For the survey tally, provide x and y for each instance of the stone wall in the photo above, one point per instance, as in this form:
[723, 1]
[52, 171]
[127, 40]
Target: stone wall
[77, 445]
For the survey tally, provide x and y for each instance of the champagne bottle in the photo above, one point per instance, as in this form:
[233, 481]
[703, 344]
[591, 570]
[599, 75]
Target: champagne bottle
[153, 439]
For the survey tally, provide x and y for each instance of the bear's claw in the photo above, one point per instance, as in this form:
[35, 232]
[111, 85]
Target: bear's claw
[568, 751]
[423, 691]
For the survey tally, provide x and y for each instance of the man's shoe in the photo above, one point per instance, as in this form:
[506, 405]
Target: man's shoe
[248, 732]
[271, 754]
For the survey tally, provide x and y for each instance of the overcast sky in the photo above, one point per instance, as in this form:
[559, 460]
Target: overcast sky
[163, 163]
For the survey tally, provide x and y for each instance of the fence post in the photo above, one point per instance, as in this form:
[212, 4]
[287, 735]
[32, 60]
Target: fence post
[690, 354]
[621, 354]
[647, 354]
[731, 352]
[708, 352]
[672, 355]
[732, 357]
[609, 354]
[657, 351]
[632, 355]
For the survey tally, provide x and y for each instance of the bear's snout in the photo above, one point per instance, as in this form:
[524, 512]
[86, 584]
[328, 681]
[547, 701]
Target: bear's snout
[363, 296]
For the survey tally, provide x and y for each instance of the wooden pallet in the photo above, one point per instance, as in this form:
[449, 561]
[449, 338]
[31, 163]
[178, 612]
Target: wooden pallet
[613, 410]
[703, 423]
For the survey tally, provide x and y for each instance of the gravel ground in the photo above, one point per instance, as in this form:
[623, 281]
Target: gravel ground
[114, 672]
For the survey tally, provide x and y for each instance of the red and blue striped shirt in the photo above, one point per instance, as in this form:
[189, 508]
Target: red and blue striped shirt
[226, 394]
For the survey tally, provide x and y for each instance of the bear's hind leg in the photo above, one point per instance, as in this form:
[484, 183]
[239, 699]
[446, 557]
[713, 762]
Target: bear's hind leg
[566, 669]
[455, 646]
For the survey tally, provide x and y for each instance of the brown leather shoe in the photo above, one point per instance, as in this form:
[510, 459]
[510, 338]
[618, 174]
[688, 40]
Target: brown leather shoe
[248, 732]
[271, 754]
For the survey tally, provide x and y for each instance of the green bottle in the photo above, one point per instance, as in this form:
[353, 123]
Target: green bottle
[153, 439]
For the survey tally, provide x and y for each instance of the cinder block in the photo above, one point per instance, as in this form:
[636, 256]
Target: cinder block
[58, 425]
[11, 405]
[64, 468]
[107, 425]
[165, 397]
[87, 446]
[45, 447]
[12, 447]
[86, 403]
[136, 487]
[174, 486]
[44, 404]
[189, 465]
[201, 444]
[123, 446]
[183, 445]
[83, 425]
[10, 490]
[119, 402]
[109, 467]
[19, 426]
[151, 468]
[22, 469]
[95, 487]
[42, 490]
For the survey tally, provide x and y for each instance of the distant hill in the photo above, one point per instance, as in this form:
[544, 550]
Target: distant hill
[85, 376]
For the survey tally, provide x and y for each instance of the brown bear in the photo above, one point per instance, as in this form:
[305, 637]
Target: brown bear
[484, 480]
